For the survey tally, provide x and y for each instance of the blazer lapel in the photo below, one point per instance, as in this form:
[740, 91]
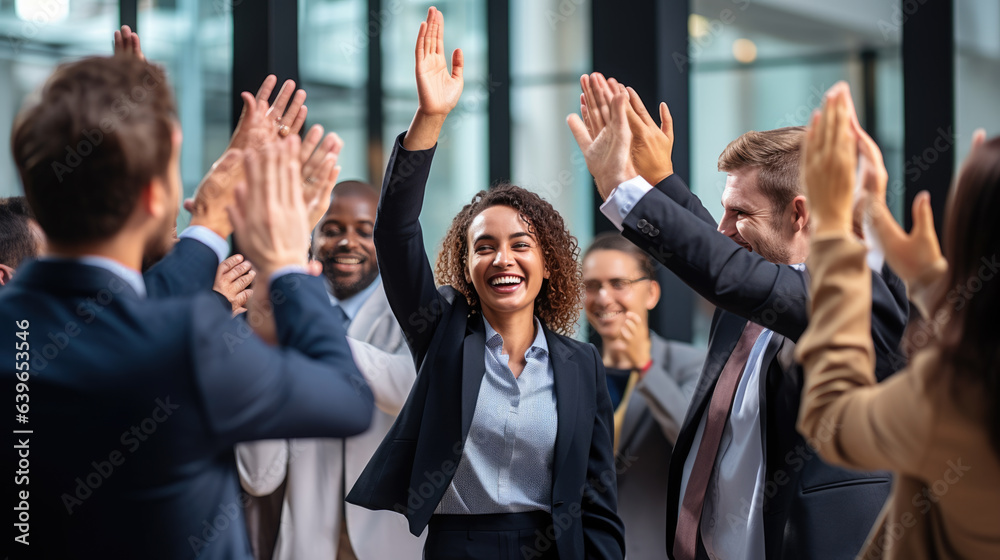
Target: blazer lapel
[636, 412]
[774, 345]
[567, 379]
[473, 369]
[638, 409]
[723, 342]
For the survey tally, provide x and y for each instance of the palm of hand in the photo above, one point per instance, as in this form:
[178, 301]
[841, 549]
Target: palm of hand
[437, 89]
[255, 130]
[611, 151]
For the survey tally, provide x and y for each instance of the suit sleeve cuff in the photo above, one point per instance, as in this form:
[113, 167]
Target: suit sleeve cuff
[211, 239]
[623, 199]
[286, 270]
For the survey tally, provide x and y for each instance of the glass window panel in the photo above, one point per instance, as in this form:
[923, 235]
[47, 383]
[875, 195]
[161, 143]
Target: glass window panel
[977, 70]
[461, 163]
[766, 64]
[333, 65]
[36, 36]
[194, 41]
[550, 49]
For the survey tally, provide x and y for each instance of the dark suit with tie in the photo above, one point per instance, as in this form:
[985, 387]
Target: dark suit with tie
[416, 461]
[810, 509]
[135, 405]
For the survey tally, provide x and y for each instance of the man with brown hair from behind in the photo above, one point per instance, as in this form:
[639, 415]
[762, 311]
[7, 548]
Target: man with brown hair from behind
[136, 402]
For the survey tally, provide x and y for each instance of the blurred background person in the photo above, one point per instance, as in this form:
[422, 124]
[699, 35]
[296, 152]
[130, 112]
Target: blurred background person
[651, 381]
[20, 236]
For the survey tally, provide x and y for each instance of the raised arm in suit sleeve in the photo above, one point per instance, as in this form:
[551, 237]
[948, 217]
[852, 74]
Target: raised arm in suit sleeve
[669, 384]
[603, 531]
[262, 465]
[390, 376]
[742, 282]
[308, 387]
[729, 276]
[188, 268]
[848, 418]
[675, 188]
[399, 243]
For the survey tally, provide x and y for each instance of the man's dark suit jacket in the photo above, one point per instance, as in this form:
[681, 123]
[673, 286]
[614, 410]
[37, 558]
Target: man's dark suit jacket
[135, 405]
[811, 509]
[413, 467]
[189, 268]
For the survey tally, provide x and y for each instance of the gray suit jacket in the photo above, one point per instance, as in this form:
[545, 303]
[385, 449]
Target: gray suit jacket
[313, 472]
[652, 421]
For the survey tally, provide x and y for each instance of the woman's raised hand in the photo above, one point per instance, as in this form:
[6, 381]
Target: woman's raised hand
[438, 89]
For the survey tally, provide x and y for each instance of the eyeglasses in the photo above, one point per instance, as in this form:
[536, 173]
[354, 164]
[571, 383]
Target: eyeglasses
[617, 285]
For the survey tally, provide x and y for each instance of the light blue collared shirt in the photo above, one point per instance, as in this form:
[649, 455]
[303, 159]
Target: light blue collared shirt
[506, 465]
[213, 240]
[221, 247]
[352, 305]
[130, 276]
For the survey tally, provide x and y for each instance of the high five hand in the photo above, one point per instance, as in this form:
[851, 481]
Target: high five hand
[438, 90]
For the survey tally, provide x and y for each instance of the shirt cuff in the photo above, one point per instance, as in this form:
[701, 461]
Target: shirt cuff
[876, 255]
[290, 269]
[208, 237]
[623, 199]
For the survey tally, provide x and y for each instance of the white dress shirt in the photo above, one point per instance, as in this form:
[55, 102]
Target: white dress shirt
[732, 524]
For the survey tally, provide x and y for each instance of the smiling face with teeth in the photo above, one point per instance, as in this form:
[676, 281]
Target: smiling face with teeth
[606, 308]
[343, 240]
[505, 263]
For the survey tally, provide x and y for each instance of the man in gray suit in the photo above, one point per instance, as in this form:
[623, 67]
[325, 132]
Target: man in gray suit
[650, 380]
[303, 482]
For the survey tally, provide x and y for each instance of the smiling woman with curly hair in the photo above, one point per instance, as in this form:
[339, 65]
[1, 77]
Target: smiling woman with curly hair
[505, 442]
[559, 301]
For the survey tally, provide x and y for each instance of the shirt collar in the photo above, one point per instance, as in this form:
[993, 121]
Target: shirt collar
[131, 277]
[539, 346]
[352, 305]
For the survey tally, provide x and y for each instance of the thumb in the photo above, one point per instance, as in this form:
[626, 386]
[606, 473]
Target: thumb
[923, 218]
[886, 229]
[666, 121]
[579, 131]
[249, 103]
[457, 64]
[978, 137]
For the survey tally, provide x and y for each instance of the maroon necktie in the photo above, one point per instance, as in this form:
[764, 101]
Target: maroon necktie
[688, 521]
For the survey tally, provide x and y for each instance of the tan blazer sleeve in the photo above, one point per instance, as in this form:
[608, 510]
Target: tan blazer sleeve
[849, 419]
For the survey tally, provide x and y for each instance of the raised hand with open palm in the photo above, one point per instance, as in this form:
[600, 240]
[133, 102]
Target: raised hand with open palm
[438, 90]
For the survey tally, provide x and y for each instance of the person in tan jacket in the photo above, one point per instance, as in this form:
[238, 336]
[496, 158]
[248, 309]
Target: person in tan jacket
[936, 423]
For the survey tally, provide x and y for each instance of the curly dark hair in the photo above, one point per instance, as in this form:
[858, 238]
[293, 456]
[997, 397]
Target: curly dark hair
[560, 299]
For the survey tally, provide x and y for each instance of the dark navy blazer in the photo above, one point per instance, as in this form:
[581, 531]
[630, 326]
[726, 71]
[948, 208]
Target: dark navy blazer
[811, 509]
[135, 404]
[416, 461]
